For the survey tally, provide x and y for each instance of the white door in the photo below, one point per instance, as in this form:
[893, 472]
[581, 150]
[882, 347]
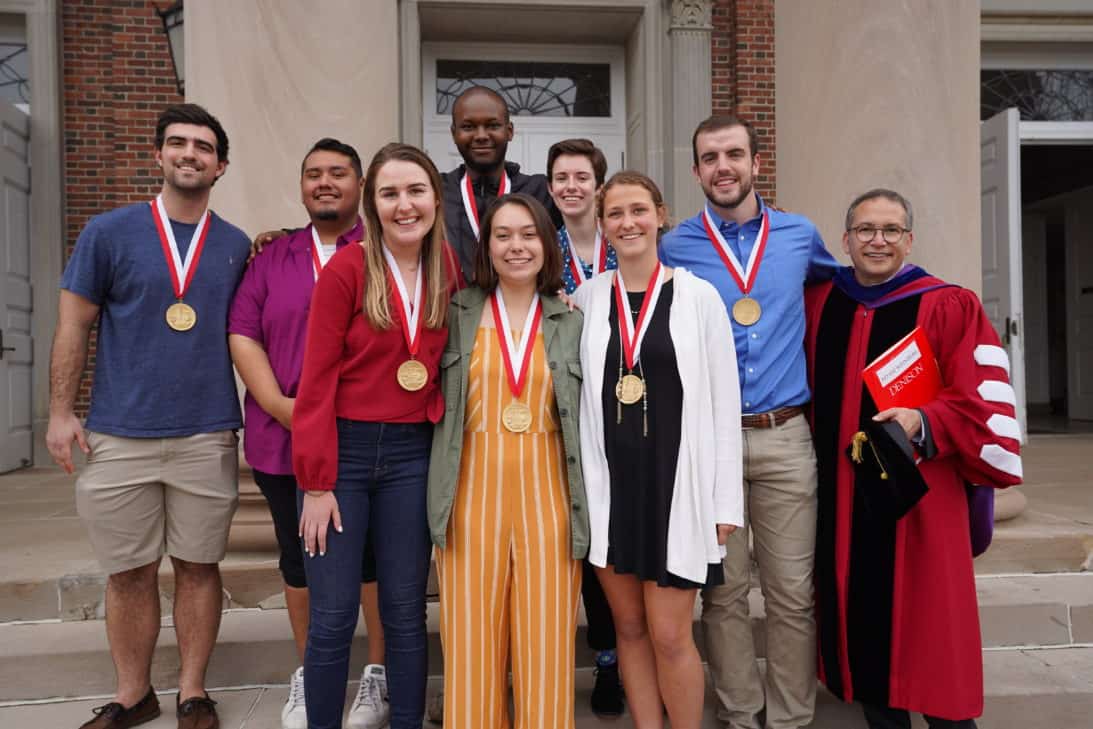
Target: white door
[557, 92]
[1079, 307]
[1000, 167]
[16, 351]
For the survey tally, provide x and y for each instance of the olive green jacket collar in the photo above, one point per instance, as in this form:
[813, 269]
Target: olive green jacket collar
[561, 340]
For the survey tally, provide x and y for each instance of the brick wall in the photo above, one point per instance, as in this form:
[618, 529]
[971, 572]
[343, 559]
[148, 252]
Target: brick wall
[742, 58]
[117, 78]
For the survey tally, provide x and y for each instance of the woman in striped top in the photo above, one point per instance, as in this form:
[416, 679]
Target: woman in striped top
[506, 501]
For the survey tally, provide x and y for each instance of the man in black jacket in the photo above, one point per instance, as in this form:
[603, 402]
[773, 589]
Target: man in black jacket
[482, 130]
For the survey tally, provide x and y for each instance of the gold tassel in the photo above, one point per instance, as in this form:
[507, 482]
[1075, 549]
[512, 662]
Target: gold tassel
[880, 464]
[855, 445]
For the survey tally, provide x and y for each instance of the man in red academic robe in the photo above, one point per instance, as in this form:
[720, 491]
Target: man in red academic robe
[896, 608]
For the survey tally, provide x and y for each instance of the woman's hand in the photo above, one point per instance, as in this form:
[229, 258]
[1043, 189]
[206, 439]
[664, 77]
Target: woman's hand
[568, 300]
[723, 532]
[320, 509]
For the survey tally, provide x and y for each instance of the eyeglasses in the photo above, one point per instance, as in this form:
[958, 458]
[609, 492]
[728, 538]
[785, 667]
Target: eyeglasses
[890, 233]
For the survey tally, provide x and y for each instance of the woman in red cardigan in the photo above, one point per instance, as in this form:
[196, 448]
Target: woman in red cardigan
[362, 427]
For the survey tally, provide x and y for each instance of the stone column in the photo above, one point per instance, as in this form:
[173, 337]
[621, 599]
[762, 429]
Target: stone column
[690, 84]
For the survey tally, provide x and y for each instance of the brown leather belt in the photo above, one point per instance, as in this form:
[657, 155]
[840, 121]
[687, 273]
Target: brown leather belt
[772, 419]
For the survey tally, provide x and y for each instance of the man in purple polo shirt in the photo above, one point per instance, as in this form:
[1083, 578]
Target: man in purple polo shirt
[267, 332]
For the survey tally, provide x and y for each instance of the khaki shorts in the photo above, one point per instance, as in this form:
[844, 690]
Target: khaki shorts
[142, 497]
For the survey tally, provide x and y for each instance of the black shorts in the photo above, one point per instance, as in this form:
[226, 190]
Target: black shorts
[280, 493]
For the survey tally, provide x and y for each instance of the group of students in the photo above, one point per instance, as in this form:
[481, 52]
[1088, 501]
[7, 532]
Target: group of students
[532, 381]
[553, 441]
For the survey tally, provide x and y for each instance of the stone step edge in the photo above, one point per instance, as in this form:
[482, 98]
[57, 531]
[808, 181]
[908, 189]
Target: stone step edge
[989, 690]
[1038, 625]
[248, 585]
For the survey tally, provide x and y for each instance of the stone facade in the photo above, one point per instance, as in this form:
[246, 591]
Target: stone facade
[117, 76]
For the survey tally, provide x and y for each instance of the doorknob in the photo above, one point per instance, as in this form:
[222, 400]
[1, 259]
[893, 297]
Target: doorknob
[2, 347]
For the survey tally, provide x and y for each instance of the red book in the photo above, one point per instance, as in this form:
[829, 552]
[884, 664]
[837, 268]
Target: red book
[906, 375]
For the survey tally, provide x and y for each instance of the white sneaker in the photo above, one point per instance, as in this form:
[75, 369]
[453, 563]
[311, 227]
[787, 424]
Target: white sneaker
[294, 715]
[370, 709]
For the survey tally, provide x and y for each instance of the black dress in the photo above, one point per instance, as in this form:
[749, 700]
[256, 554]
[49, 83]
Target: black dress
[643, 467]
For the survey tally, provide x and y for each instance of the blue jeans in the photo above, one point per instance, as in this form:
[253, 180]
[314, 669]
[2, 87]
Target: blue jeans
[382, 469]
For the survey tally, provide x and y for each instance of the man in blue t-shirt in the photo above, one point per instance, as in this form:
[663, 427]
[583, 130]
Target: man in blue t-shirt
[162, 461]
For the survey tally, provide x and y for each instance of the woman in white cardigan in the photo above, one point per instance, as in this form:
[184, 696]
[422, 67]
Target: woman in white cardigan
[660, 444]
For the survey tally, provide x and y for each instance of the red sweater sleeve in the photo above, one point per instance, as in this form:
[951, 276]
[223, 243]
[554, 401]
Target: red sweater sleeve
[973, 417]
[334, 302]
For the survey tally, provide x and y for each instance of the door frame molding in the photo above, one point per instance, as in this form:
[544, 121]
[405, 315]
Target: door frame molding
[47, 209]
[1068, 132]
[645, 58]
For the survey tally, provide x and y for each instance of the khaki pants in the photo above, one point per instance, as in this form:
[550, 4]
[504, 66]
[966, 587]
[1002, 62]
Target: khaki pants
[780, 506]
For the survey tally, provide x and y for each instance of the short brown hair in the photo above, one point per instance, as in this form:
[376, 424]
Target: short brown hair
[717, 122]
[582, 148]
[196, 115]
[549, 280]
[633, 177]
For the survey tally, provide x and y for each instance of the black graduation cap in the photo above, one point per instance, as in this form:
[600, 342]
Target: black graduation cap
[886, 474]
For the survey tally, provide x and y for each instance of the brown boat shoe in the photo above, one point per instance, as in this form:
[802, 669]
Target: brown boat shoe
[116, 716]
[198, 712]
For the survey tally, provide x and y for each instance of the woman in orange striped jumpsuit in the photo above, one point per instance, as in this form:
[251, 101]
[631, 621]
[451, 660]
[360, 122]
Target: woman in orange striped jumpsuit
[506, 500]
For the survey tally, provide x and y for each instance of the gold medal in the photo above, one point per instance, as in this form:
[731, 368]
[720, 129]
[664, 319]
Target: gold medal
[629, 389]
[412, 375]
[181, 316]
[746, 311]
[516, 417]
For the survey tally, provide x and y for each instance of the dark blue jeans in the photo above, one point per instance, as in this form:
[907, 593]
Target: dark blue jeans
[381, 488]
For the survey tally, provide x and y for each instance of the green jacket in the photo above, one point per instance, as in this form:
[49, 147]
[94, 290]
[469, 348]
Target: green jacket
[562, 338]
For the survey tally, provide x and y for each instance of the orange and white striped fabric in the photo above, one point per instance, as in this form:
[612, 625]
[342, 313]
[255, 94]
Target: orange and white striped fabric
[507, 577]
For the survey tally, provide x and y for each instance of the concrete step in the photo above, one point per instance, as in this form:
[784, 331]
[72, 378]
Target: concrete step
[1024, 688]
[71, 658]
[1024, 545]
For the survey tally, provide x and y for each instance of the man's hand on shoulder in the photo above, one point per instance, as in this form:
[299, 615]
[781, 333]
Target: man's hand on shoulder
[263, 239]
[62, 430]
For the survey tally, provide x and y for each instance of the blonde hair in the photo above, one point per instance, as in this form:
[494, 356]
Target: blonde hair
[377, 284]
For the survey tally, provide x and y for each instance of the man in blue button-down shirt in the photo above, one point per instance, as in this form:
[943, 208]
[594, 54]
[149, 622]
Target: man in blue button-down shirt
[724, 244]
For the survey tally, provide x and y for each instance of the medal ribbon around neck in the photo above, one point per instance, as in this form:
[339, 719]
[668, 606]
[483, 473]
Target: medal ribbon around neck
[469, 203]
[744, 277]
[182, 272]
[316, 247]
[411, 310]
[599, 258]
[509, 351]
[631, 334]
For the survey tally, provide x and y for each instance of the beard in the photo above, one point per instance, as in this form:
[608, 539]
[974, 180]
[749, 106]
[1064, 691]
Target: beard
[730, 201]
[325, 215]
[188, 185]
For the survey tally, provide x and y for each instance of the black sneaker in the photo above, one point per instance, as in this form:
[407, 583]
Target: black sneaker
[607, 698]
